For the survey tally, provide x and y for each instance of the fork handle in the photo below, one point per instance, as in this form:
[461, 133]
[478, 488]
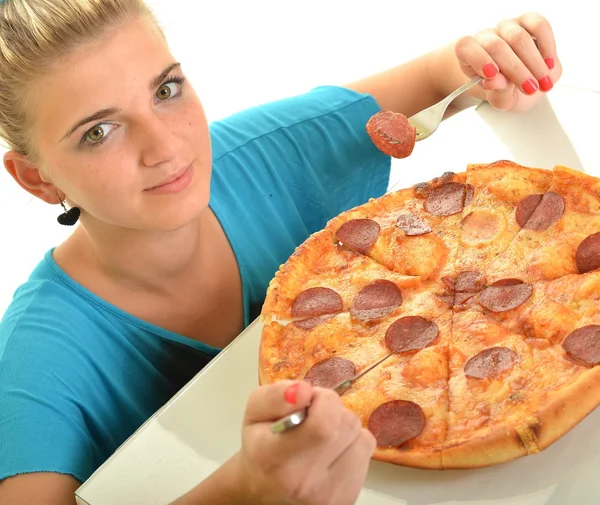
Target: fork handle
[459, 91]
[290, 421]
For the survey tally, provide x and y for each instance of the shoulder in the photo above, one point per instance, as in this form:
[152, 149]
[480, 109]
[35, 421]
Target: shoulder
[47, 363]
[44, 308]
[285, 168]
[49, 329]
[322, 104]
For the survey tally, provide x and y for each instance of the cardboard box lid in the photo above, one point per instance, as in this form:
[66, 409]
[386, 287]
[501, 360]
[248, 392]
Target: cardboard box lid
[200, 427]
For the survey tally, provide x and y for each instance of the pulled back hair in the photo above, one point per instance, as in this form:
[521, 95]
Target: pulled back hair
[36, 34]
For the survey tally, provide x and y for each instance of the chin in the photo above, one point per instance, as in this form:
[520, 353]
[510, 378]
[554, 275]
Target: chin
[174, 212]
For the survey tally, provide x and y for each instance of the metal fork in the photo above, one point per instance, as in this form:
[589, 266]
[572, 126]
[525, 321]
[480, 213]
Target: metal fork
[428, 120]
[296, 418]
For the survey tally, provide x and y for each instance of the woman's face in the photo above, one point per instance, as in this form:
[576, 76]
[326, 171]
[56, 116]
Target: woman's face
[122, 135]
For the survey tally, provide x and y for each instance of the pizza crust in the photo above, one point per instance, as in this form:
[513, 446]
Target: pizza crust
[415, 458]
[561, 412]
[496, 447]
[567, 407]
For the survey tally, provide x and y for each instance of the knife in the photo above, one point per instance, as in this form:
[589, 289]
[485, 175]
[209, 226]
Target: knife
[296, 418]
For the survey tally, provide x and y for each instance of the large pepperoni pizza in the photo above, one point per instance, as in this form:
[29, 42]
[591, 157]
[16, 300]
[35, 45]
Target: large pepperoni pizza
[486, 284]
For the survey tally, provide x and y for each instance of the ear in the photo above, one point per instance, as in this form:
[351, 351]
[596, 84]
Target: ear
[29, 177]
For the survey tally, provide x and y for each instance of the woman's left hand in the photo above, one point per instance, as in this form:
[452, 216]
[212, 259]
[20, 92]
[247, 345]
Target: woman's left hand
[517, 60]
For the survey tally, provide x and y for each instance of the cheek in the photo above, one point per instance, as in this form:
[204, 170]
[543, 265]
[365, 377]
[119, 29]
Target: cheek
[195, 123]
[95, 185]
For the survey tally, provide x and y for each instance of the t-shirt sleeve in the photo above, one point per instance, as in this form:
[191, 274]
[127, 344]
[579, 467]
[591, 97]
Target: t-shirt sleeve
[282, 170]
[41, 425]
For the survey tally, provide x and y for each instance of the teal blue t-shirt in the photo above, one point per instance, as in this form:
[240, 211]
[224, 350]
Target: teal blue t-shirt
[78, 376]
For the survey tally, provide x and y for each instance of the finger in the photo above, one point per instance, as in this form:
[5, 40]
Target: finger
[324, 415]
[540, 29]
[269, 403]
[312, 439]
[525, 49]
[474, 59]
[509, 63]
[504, 99]
[351, 468]
[349, 430]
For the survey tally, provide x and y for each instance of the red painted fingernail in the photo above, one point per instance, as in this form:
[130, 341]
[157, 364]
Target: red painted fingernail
[291, 393]
[490, 70]
[549, 63]
[530, 86]
[546, 84]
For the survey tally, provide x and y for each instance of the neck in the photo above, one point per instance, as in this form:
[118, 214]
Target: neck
[148, 260]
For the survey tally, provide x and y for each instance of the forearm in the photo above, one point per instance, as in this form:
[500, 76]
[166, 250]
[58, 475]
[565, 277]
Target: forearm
[223, 487]
[420, 83]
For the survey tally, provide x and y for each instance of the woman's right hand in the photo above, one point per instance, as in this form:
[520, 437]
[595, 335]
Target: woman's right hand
[321, 462]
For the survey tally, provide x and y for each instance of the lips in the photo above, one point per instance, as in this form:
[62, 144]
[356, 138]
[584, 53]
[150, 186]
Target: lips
[171, 178]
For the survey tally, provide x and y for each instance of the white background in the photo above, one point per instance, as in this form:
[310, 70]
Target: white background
[242, 53]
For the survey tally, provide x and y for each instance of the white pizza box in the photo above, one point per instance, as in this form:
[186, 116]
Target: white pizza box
[199, 429]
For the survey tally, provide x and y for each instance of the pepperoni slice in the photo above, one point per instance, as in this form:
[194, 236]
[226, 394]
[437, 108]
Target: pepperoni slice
[583, 345]
[376, 300]
[587, 257]
[358, 234]
[392, 133]
[316, 302]
[469, 193]
[506, 294]
[313, 322]
[330, 372]
[446, 200]
[410, 333]
[422, 190]
[412, 225]
[396, 422]
[461, 288]
[461, 298]
[449, 281]
[490, 362]
[550, 208]
[446, 298]
[526, 207]
[469, 282]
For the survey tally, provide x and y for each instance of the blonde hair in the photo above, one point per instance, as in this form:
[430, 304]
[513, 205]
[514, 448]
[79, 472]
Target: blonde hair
[34, 34]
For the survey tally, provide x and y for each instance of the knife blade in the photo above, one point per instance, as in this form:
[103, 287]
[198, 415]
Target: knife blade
[297, 418]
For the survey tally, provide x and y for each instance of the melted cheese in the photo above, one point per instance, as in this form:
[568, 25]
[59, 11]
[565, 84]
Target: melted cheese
[457, 408]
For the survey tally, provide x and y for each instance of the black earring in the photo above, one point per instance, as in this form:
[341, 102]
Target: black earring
[68, 217]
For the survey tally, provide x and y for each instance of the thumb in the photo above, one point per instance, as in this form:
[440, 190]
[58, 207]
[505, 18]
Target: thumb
[269, 403]
[503, 99]
[498, 83]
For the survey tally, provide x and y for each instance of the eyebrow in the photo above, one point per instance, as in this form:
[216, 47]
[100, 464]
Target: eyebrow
[101, 114]
[158, 80]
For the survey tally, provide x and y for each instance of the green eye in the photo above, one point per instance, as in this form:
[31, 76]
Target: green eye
[96, 134]
[165, 91]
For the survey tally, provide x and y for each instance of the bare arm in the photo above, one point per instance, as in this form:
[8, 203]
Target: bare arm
[419, 83]
[56, 489]
[223, 487]
[39, 488]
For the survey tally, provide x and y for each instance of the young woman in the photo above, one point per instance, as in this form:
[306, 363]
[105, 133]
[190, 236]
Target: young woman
[180, 228]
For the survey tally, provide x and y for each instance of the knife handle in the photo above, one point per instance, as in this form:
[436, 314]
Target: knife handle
[290, 421]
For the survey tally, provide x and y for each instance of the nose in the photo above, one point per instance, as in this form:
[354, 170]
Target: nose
[159, 142]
